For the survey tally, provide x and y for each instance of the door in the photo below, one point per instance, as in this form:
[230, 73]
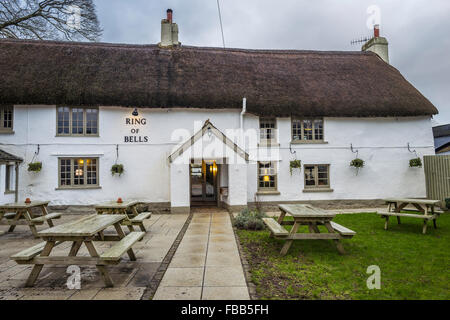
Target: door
[204, 182]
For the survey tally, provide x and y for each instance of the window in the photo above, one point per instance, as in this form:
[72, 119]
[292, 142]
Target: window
[78, 172]
[10, 178]
[77, 121]
[267, 176]
[267, 129]
[305, 130]
[317, 176]
[6, 118]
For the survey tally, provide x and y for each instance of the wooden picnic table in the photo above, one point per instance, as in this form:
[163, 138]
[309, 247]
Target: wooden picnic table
[305, 214]
[85, 230]
[127, 208]
[21, 213]
[424, 209]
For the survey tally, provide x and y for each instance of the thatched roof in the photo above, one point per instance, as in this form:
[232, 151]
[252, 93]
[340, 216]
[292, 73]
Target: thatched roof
[280, 83]
[8, 157]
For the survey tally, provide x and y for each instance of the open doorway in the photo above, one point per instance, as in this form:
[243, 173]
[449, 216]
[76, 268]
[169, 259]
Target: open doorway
[204, 182]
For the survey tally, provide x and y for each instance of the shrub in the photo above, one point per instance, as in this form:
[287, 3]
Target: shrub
[357, 163]
[416, 162]
[447, 203]
[249, 220]
[35, 166]
[294, 164]
[117, 169]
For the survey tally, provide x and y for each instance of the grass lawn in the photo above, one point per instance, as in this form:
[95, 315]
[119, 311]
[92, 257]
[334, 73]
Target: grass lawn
[413, 265]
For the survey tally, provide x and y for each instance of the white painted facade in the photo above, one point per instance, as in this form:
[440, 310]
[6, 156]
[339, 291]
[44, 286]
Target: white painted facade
[150, 177]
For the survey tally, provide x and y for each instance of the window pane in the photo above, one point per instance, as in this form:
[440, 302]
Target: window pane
[63, 120]
[318, 129]
[65, 172]
[77, 121]
[266, 175]
[91, 171]
[91, 121]
[267, 128]
[307, 130]
[296, 130]
[78, 168]
[310, 179]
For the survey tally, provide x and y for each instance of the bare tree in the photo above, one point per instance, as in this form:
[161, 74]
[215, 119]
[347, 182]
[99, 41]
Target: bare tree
[49, 19]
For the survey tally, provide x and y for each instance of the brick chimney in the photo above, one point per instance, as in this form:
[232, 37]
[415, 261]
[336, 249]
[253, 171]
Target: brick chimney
[169, 31]
[377, 44]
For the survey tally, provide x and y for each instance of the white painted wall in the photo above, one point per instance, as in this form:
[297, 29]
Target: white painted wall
[381, 143]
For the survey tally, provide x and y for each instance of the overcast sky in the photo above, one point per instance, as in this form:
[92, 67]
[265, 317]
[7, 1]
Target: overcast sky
[417, 30]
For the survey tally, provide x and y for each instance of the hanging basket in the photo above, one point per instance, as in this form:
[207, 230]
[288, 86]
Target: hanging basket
[117, 169]
[294, 164]
[35, 166]
[415, 163]
[357, 163]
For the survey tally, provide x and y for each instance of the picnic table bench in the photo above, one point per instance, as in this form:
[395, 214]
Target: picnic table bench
[21, 213]
[124, 208]
[85, 230]
[424, 209]
[305, 214]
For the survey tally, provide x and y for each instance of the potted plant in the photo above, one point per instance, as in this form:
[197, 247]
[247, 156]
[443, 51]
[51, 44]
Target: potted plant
[416, 162]
[294, 164]
[117, 169]
[35, 166]
[357, 163]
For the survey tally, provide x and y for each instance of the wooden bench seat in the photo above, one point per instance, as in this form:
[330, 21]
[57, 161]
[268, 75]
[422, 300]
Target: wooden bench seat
[343, 231]
[120, 248]
[9, 215]
[408, 215]
[425, 218]
[42, 219]
[139, 220]
[274, 227]
[30, 253]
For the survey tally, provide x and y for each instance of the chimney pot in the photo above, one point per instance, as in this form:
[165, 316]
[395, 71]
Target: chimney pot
[376, 31]
[169, 15]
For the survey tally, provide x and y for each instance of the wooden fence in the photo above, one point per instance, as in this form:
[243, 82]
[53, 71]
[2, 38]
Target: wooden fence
[437, 176]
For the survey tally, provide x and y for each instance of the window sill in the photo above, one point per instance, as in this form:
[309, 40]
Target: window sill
[78, 188]
[309, 142]
[268, 193]
[10, 192]
[317, 190]
[77, 135]
[268, 144]
[7, 132]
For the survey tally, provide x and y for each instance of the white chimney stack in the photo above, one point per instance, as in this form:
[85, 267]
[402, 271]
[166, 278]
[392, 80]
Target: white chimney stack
[169, 31]
[377, 44]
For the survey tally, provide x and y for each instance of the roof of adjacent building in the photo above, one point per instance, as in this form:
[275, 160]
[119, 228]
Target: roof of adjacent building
[275, 82]
[441, 131]
[8, 157]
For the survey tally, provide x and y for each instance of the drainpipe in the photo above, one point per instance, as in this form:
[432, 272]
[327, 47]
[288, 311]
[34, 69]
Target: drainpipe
[241, 124]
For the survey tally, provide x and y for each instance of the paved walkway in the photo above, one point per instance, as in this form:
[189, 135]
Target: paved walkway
[206, 265]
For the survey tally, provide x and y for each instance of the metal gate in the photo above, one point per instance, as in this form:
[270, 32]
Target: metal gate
[437, 176]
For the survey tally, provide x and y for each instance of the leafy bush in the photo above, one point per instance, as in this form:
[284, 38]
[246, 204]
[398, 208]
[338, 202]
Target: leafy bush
[117, 169]
[249, 220]
[35, 166]
[447, 203]
[294, 164]
[416, 162]
[357, 163]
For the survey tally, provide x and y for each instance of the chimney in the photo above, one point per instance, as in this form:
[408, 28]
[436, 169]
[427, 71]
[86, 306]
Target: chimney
[377, 44]
[169, 32]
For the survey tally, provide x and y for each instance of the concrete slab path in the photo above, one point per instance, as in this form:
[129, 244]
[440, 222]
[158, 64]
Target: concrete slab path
[206, 265]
